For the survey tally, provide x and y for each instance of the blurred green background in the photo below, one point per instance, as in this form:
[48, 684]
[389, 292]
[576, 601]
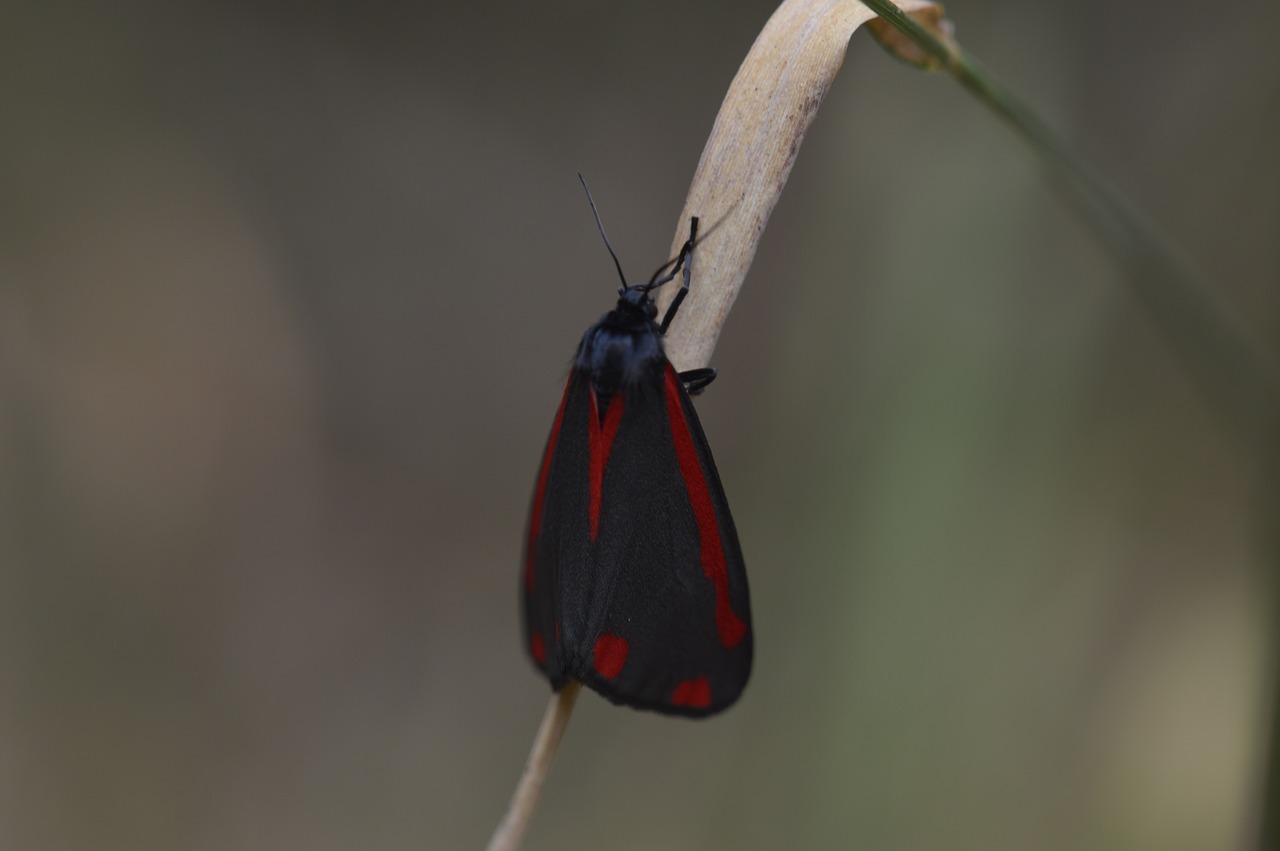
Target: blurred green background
[287, 295]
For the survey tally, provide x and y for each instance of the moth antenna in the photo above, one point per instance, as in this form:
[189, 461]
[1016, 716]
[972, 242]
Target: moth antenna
[603, 235]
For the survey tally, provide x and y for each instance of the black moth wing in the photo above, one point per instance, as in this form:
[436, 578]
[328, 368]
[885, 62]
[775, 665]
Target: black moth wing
[677, 586]
[654, 611]
[558, 531]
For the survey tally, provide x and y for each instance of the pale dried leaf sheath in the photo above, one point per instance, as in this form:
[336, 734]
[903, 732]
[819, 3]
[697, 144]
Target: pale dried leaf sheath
[766, 112]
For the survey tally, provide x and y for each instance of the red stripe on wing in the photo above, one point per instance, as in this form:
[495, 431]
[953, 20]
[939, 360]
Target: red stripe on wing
[728, 624]
[600, 443]
[540, 492]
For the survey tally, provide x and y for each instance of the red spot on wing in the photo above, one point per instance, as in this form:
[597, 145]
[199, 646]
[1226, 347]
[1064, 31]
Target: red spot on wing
[540, 492]
[692, 693]
[728, 624]
[600, 441]
[539, 648]
[610, 655]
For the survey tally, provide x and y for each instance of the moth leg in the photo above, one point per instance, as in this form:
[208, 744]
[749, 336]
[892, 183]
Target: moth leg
[686, 254]
[696, 380]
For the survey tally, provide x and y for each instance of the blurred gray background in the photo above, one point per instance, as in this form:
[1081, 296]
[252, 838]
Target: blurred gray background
[287, 295]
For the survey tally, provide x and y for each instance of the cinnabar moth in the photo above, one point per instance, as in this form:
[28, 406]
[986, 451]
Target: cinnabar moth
[633, 580]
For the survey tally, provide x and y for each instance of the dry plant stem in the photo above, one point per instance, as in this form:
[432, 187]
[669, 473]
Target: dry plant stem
[510, 833]
[766, 112]
[757, 134]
